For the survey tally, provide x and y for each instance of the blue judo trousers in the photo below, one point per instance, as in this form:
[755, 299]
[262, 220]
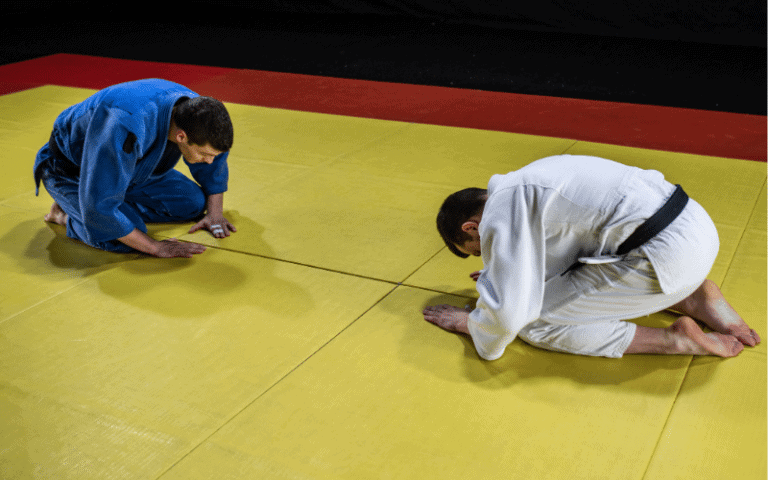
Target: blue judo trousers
[110, 167]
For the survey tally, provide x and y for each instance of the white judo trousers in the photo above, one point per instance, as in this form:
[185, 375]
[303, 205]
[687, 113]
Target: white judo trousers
[595, 300]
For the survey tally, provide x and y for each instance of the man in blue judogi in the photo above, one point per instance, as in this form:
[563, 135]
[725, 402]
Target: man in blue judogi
[109, 166]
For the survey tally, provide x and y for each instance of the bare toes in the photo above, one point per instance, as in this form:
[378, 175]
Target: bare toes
[746, 336]
[737, 347]
[743, 336]
[747, 339]
[734, 346]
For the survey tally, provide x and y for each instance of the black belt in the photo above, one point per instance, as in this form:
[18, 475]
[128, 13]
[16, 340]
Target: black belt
[651, 227]
[55, 147]
[63, 164]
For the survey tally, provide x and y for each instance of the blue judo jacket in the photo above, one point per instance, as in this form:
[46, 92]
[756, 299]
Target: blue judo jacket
[115, 140]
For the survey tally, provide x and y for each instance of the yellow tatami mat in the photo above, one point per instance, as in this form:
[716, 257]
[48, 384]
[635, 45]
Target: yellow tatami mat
[393, 398]
[124, 374]
[296, 349]
[717, 400]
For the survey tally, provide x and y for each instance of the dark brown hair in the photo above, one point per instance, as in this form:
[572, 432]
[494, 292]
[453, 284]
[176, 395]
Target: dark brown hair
[456, 210]
[205, 120]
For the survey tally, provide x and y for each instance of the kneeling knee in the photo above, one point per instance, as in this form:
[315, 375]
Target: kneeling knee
[195, 203]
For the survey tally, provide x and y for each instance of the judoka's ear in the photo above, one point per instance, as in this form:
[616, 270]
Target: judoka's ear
[469, 226]
[180, 135]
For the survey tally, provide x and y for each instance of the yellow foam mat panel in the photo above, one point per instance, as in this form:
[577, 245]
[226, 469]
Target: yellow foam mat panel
[365, 204]
[26, 120]
[271, 134]
[446, 272]
[717, 427]
[337, 219]
[125, 373]
[745, 282]
[18, 175]
[416, 402]
[450, 156]
[719, 417]
[38, 262]
[296, 348]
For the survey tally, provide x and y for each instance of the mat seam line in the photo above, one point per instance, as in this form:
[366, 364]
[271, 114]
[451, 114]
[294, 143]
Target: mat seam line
[743, 233]
[427, 289]
[571, 146]
[39, 303]
[294, 262]
[5, 204]
[420, 266]
[278, 381]
[403, 283]
[666, 421]
[81, 282]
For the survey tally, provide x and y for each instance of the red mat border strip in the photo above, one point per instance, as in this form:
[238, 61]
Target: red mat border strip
[661, 128]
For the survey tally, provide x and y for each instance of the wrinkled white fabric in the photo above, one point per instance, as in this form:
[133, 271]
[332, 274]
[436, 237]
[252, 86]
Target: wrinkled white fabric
[610, 339]
[633, 291]
[540, 219]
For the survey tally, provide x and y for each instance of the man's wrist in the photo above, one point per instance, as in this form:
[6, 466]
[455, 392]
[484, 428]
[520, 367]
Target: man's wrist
[142, 242]
[153, 247]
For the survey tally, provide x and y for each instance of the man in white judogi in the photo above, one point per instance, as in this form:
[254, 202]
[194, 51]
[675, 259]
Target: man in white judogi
[534, 225]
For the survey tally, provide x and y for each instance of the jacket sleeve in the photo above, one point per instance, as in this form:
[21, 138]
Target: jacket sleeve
[108, 163]
[212, 178]
[511, 286]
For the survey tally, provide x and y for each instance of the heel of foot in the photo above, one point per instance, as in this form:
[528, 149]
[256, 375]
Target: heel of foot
[700, 343]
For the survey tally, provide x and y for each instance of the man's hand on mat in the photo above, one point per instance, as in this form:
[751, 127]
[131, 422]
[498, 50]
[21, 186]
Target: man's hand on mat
[453, 319]
[216, 224]
[173, 248]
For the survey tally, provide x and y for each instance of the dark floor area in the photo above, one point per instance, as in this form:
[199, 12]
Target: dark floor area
[430, 52]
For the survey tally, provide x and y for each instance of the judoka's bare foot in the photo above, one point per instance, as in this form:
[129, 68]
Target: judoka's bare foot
[689, 338]
[451, 318]
[684, 337]
[708, 305]
[56, 215]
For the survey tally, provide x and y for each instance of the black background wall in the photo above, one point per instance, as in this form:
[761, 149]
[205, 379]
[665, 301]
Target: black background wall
[703, 54]
[733, 22]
